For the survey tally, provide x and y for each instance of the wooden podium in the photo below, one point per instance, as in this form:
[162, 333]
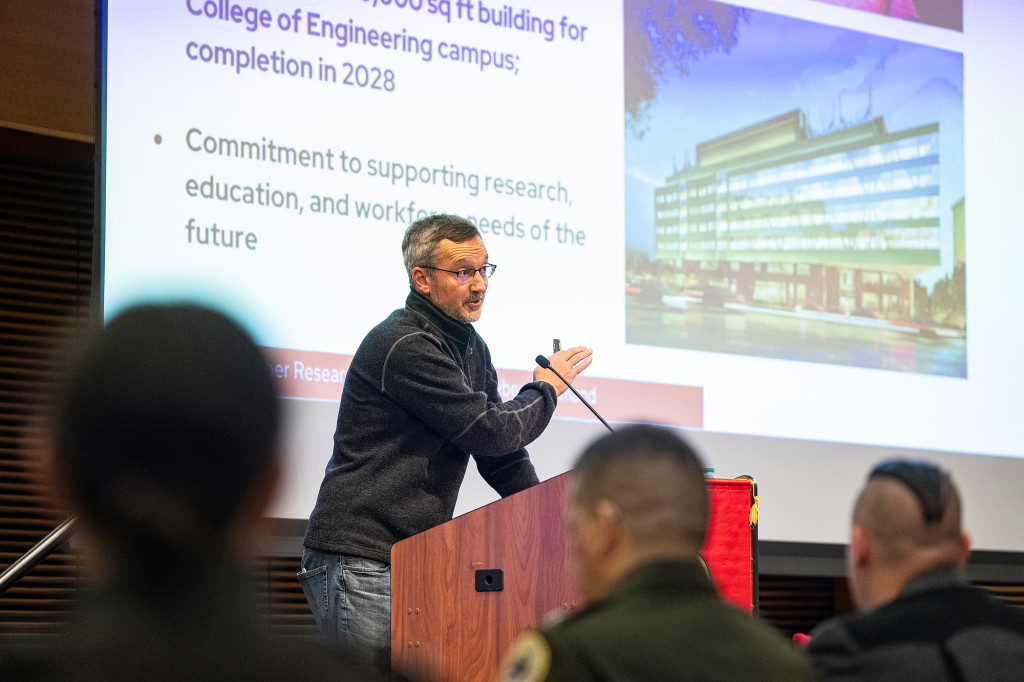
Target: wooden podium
[463, 591]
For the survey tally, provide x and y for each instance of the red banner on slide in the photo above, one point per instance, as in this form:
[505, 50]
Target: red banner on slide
[308, 374]
[321, 376]
[618, 400]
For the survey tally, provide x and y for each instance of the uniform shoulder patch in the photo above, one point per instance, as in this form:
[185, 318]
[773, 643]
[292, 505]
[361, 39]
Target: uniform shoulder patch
[528, 661]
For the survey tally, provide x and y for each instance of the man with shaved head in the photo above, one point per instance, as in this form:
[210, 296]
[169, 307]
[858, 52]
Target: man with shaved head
[918, 619]
[637, 520]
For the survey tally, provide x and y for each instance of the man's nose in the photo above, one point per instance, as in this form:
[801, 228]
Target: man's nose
[479, 282]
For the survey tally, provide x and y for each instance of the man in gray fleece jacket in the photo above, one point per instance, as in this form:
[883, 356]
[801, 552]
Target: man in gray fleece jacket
[420, 398]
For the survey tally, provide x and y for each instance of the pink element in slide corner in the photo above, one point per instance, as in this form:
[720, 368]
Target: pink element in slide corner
[901, 9]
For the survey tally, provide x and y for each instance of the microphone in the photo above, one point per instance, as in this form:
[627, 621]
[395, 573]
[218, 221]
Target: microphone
[546, 364]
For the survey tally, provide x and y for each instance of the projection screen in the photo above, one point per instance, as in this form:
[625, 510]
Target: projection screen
[756, 214]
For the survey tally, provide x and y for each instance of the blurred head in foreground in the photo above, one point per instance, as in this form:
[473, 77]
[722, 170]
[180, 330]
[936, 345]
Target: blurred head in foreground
[639, 495]
[905, 521]
[165, 436]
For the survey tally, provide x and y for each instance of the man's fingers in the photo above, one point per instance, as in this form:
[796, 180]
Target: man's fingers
[569, 362]
[574, 355]
[576, 369]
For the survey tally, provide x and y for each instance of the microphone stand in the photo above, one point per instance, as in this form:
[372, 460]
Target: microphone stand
[546, 364]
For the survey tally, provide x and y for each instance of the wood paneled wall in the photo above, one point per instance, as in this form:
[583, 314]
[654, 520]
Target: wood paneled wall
[48, 73]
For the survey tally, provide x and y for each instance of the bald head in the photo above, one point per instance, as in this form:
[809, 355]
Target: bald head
[911, 510]
[655, 482]
[905, 521]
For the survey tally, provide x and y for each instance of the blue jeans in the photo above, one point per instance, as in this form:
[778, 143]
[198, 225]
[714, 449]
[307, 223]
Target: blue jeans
[351, 600]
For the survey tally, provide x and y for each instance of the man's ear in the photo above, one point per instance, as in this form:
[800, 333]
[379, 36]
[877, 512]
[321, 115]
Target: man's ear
[252, 510]
[421, 281]
[860, 547]
[965, 549]
[608, 524]
[265, 487]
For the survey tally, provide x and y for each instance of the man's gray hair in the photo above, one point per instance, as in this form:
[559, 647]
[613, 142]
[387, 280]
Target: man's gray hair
[419, 246]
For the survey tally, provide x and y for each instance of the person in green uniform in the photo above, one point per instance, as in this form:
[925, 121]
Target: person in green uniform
[637, 520]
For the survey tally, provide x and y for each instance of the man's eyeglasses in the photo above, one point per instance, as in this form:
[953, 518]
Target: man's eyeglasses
[921, 478]
[464, 276]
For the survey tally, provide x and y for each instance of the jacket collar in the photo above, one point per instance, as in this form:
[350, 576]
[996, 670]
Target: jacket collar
[449, 326]
[663, 575]
[936, 578]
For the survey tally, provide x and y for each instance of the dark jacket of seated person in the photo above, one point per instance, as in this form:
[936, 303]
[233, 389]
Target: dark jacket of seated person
[939, 628]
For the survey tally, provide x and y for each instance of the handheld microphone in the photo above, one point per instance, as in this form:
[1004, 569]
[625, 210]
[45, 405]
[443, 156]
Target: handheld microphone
[546, 364]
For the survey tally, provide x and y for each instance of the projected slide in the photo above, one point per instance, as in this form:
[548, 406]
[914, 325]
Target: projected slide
[755, 213]
[270, 157]
[805, 204]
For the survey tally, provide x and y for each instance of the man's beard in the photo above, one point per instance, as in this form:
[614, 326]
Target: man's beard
[456, 312]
